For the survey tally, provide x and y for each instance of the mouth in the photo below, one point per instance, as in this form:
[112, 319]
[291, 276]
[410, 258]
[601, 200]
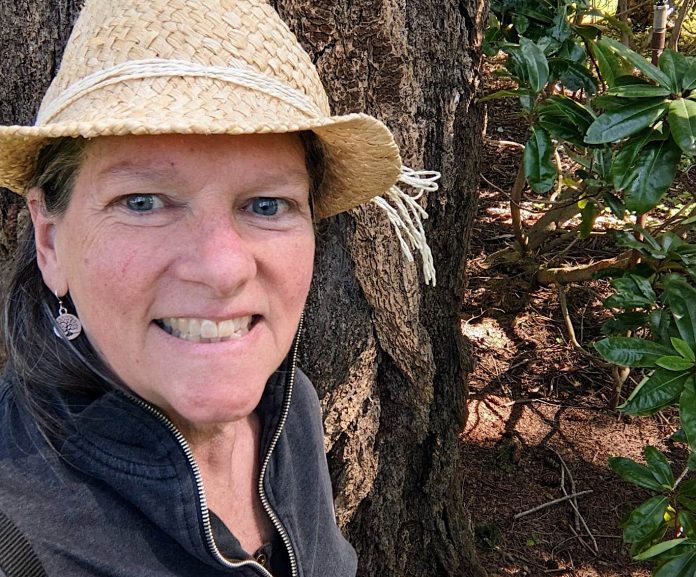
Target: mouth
[207, 331]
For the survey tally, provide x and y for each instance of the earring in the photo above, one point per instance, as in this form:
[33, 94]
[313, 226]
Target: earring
[69, 325]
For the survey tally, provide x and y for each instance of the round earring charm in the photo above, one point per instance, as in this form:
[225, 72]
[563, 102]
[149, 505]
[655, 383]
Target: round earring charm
[69, 324]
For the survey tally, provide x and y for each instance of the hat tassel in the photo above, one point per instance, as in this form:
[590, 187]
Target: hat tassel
[407, 216]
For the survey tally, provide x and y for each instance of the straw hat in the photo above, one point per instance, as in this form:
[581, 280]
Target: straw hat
[214, 67]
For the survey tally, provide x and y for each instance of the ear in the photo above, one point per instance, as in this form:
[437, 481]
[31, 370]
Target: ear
[45, 239]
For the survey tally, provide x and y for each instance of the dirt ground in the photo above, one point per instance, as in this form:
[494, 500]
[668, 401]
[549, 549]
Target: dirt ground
[539, 421]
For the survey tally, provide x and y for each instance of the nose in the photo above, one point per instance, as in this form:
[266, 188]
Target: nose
[218, 255]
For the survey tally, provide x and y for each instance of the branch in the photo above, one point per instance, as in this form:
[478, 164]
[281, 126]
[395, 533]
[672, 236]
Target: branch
[554, 502]
[515, 212]
[580, 273]
[676, 31]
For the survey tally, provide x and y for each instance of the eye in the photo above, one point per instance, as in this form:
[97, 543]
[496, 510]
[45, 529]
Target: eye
[143, 202]
[266, 206]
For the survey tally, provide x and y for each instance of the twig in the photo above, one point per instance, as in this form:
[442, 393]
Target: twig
[506, 143]
[579, 519]
[554, 502]
[495, 186]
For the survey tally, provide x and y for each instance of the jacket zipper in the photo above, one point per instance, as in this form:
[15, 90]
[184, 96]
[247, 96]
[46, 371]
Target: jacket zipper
[183, 443]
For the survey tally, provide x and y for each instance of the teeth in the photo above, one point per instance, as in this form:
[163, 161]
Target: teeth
[204, 330]
[209, 330]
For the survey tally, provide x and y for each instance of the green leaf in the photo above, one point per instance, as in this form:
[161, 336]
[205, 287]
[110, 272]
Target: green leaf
[681, 299]
[587, 31]
[688, 523]
[660, 548]
[588, 214]
[623, 322]
[627, 155]
[503, 94]
[537, 65]
[631, 351]
[691, 461]
[674, 65]
[638, 91]
[634, 473]
[565, 119]
[538, 164]
[626, 121]
[686, 494]
[682, 123]
[617, 207]
[674, 363]
[687, 411]
[651, 175]
[520, 22]
[638, 61]
[683, 348]
[659, 466]
[689, 80]
[656, 391]
[645, 519]
[682, 566]
[572, 75]
[610, 66]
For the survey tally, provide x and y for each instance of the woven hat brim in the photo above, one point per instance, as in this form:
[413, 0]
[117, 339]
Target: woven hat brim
[362, 159]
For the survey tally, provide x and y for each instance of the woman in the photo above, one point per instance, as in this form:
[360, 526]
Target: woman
[154, 422]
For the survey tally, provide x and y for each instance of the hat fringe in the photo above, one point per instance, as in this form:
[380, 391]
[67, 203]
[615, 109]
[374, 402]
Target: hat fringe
[407, 216]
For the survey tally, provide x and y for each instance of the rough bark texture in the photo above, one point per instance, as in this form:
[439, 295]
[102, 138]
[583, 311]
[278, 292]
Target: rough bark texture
[385, 352]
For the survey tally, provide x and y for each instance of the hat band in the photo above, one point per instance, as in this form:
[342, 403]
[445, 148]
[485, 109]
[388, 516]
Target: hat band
[238, 73]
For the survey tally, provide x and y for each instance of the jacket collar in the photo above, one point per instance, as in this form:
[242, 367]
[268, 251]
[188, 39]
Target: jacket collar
[132, 447]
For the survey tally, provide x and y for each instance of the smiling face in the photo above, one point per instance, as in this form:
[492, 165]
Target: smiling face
[189, 259]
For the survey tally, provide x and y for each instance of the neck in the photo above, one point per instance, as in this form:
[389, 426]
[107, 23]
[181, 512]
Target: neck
[229, 461]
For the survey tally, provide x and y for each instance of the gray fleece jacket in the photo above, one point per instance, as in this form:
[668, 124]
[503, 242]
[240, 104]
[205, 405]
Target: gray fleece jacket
[125, 498]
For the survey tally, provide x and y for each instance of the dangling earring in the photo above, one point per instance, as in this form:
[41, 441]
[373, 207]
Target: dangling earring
[69, 325]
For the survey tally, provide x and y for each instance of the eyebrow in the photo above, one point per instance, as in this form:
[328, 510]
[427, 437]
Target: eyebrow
[167, 174]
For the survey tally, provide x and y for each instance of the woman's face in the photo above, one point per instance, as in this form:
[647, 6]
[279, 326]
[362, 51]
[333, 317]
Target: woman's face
[189, 259]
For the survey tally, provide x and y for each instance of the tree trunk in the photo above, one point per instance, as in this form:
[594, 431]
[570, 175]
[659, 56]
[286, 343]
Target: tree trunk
[384, 351]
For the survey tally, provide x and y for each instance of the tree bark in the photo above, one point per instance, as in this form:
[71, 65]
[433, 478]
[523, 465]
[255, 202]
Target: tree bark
[385, 353]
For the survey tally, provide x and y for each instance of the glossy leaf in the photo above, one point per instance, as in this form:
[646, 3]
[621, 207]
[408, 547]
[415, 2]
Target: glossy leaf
[691, 460]
[638, 91]
[686, 494]
[659, 466]
[683, 348]
[537, 66]
[660, 548]
[682, 566]
[572, 75]
[674, 65]
[610, 65]
[680, 296]
[565, 119]
[656, 391]
[651, 176]
[688, 523]
[615, 204]
[674, 363]
[626, 157]
[687, 412]
[689, 80]
[626, 121]
[645, 519]
[649, 70]
[682, 123]
[539, 168]
[634, 473]
[623, 322]
[631, 351]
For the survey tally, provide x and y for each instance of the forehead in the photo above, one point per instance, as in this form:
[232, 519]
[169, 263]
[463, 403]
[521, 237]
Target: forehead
[150, 156]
